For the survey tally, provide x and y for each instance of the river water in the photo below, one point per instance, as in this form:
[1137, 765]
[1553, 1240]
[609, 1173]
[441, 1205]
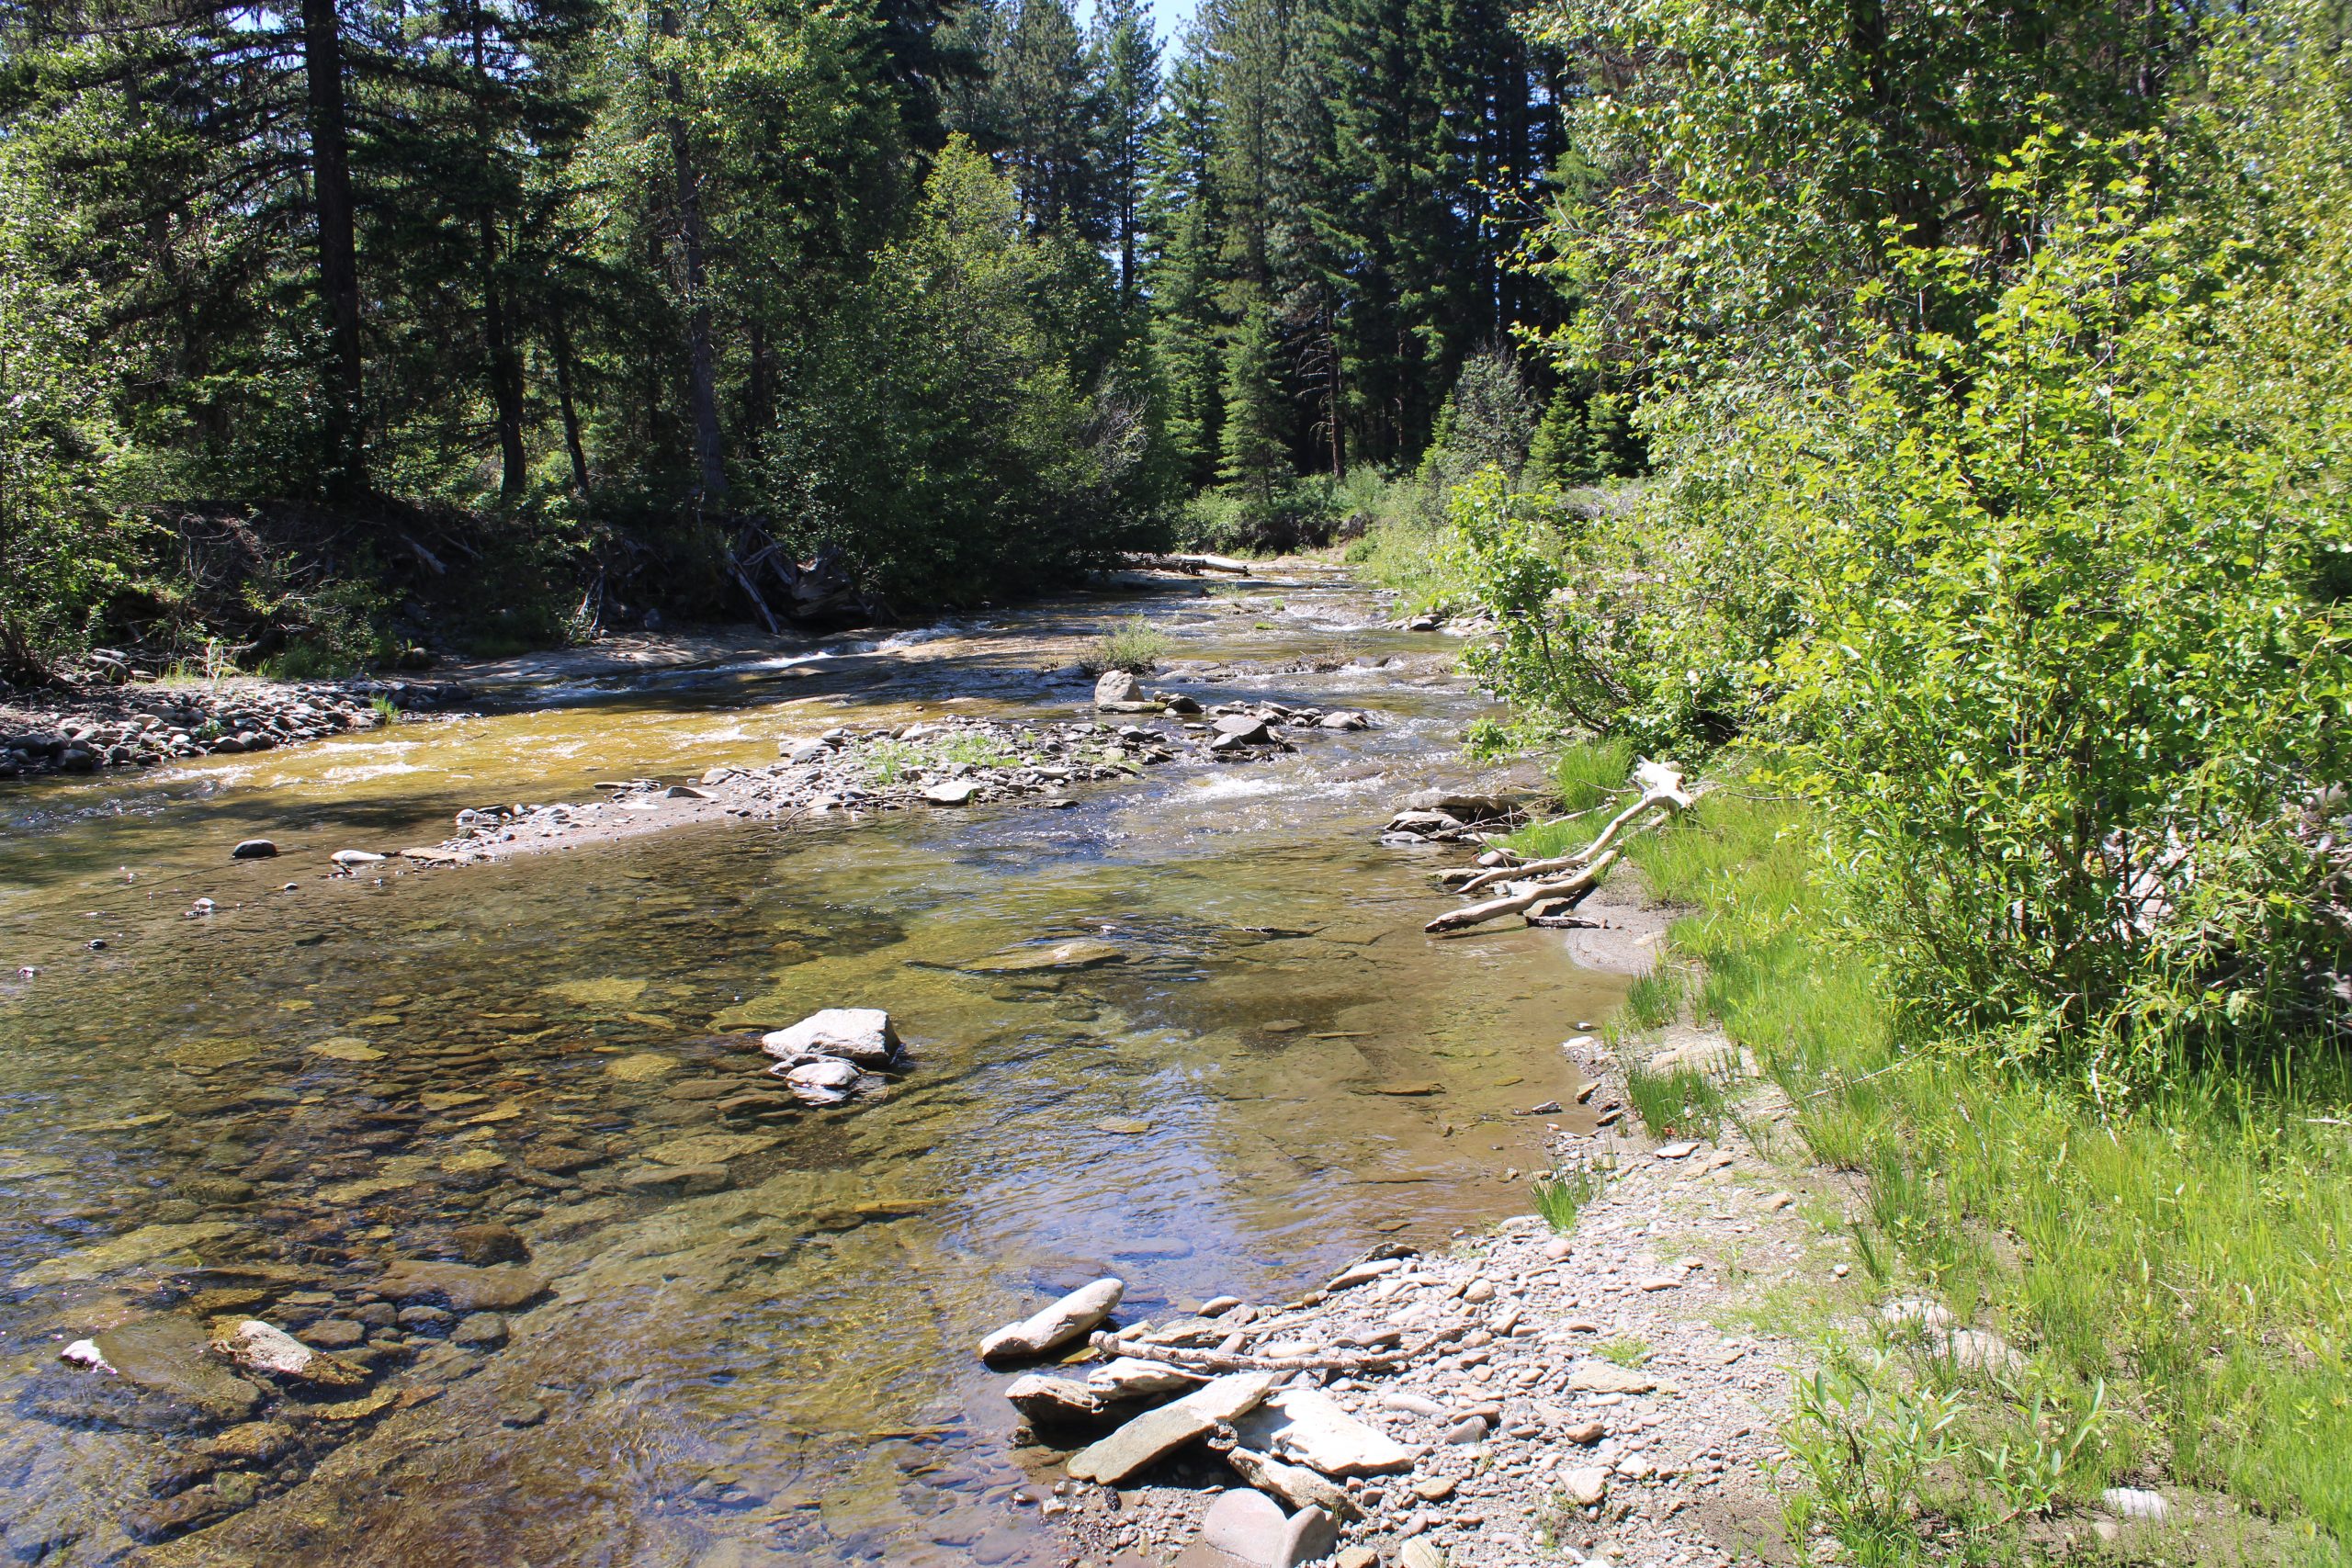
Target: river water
[246, 1113]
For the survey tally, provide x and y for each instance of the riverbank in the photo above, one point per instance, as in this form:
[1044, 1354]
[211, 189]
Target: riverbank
[144, 724]
[1595, 1394]
[2066, 1330]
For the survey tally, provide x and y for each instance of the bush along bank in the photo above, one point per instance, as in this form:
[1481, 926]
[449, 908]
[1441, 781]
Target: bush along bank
[2060, 1322]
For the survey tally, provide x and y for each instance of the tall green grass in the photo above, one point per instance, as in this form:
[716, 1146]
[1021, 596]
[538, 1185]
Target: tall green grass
[2183, 1257]
[1586, 777]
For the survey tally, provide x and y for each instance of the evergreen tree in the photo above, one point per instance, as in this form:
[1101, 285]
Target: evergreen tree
[1253, 458]
[1124, 72]
[1047, 113]
[1181, 266]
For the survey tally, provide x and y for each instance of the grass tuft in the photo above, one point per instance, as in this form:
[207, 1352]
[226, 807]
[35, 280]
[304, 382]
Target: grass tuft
[1561, 1195]
[1682, 1103]
[1134, 646]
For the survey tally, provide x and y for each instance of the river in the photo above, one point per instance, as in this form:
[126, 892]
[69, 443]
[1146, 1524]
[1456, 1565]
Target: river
[244, 1112]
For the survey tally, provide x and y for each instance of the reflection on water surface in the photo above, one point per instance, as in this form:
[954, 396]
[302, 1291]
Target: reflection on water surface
[757, 1345]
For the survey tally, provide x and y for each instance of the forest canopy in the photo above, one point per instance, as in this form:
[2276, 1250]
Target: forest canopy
[631, 304]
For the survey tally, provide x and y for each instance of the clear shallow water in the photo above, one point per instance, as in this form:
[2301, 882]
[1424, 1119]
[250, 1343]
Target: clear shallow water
[778, 1372]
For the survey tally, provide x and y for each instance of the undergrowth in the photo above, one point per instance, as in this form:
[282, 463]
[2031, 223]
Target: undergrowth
[2169, 1269]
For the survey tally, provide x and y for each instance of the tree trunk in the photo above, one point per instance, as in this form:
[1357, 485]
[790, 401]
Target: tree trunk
[702, 378]
[571, 446]
[506, 368]
[505, 361]
[338, 243]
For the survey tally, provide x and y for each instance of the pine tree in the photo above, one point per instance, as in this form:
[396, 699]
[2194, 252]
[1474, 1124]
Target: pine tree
[1047, 113]
[1182, 268]
[1124, 73]
[1253, 456]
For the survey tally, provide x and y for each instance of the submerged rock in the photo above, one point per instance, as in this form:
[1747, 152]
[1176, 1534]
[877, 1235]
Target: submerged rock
[1076, 1314]
[154, 1373]
[1083, 953]
[254, 1442]
[169, 1246]
[254, 849]
[460, 1287]
[479, 1331]
[256, 1347]
[682, 1178]
[490, 1242]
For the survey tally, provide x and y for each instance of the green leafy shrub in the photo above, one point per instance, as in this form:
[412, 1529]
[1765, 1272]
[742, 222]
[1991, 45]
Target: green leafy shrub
[2071, 703]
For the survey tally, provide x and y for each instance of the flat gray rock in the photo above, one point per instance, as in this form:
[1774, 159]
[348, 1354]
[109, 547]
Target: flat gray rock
[1047, 1400]
[1156, 1434]
[1607, 1377]
[1311, 1427]
[1130, 1378]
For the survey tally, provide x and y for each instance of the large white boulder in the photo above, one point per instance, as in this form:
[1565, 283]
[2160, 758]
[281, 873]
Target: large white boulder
[863, 1035]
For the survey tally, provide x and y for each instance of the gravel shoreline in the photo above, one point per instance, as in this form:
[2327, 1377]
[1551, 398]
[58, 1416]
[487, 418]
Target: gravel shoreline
[942, 763]
[1589, 1396]
[88, 730]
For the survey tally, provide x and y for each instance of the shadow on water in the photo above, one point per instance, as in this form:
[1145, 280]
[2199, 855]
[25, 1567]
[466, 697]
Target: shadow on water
[756, 1347]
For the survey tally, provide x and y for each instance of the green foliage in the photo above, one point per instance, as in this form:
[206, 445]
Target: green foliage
[1594, 633]
[1488, 420]
[1866, 1443]
[2160, 1263]
[1590, 775]
[2069, 697]
[1584, 440]
[1627, 1352]
[1135, 645]
[1680, 1103]
[65, 542]
[972, 423]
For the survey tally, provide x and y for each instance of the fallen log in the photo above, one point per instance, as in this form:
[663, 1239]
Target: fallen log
[1571, 888]
[1662, 791]
[1193, 565]
[1192, 1359]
